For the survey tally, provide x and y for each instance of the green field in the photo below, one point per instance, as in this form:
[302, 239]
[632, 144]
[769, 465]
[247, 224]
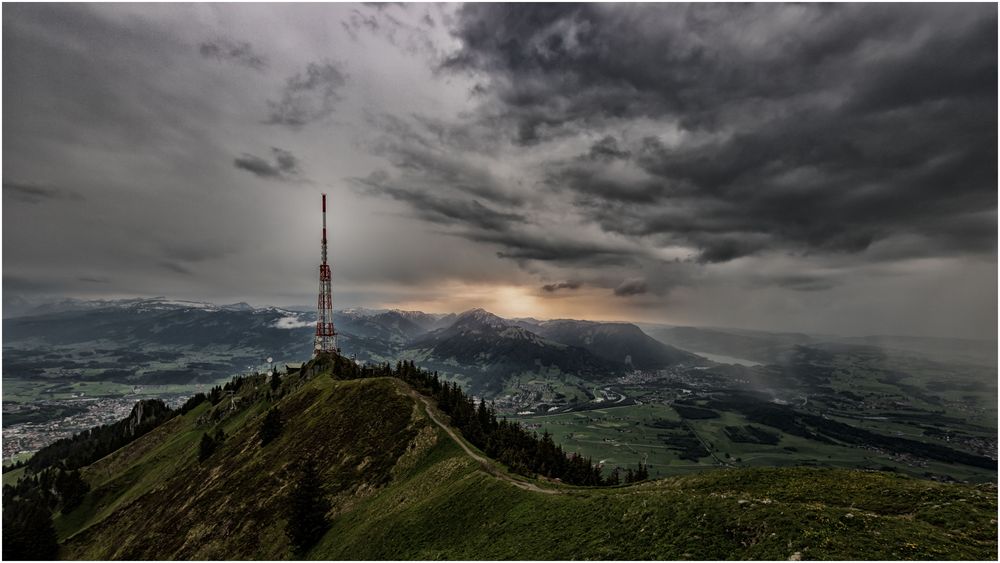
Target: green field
[625, 436]
[29, 391]
[617, 436]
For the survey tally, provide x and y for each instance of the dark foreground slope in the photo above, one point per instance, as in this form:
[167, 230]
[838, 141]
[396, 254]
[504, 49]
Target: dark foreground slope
[401, 488]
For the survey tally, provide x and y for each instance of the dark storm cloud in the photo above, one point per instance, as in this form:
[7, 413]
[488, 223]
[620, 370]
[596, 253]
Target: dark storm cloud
[594, 183]
[578, 61]
[554, 287]
[438, 156]
[33, 193]
[309, 96]
[724, 251]
[814, 129]
[522, 246]
[432, 157]
[89, 279]
[608, 149]
[225, 49]
[194, 251]
[283, 166]
[175, 267]
[805, 282]
[444, 210]
[507, 229]
[629, 287]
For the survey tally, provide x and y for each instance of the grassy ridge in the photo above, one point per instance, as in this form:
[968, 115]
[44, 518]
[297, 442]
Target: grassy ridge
[452, 511]
[164, 504]
[402, 489]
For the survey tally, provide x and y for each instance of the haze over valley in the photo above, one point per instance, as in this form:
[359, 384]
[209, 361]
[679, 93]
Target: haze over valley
[679, 399]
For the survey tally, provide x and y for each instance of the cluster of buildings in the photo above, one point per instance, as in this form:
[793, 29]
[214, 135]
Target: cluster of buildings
[28, 437]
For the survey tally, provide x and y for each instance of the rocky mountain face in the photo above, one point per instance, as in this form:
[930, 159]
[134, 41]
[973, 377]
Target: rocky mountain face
[145, 412]
[623, 343]
[489, 349]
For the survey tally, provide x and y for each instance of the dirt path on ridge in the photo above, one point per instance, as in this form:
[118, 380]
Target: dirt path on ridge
[485, 463]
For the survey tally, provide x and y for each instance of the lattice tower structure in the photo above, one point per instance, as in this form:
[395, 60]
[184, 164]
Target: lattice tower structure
[326, 336]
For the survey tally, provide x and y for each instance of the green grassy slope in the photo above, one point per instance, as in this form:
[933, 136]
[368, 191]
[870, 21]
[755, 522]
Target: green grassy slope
[402, 489]
[154, 500]
[453, 511]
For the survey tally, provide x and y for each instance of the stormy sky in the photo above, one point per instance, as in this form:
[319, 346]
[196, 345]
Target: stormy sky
[825, 168]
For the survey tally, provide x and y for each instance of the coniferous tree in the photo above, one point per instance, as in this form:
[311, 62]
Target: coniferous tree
[307, 508]
[270, 427]
[28, 533]
[206, 448]
[275, 381]
[71, 489]
[643, 473]
[192, 402]
[522, 451]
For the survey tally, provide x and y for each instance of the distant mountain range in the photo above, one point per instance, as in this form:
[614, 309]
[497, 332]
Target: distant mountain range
[620, 343]
[160, 340]
[480, 348]
[488, 350]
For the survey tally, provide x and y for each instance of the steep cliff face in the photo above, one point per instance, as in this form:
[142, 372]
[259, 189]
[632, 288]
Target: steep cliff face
[144, 413]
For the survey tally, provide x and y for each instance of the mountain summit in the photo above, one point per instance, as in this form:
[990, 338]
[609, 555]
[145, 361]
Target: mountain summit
[616, 342]
[475, 318]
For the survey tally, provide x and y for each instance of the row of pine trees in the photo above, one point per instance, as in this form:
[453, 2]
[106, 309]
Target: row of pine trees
[508, 442]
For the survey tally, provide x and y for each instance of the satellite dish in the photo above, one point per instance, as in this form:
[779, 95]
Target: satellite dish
[269, 359]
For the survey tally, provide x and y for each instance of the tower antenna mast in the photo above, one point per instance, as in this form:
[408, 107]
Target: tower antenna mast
[326, 336]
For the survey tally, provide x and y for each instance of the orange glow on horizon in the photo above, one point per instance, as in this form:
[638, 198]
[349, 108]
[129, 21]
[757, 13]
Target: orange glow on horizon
[514, 301]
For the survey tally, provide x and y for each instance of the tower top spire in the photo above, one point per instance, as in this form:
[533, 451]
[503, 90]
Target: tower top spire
[324, 228]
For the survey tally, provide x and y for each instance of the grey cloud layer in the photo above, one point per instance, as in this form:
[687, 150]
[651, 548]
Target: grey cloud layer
[468, 213]
[239, 52]
[635, 286]
[284, 165]
[824, 130]
[308, 96]
[31, 193]
[553, 287]
[703, 163]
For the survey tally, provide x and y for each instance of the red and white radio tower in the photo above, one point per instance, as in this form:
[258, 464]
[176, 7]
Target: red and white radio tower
[326, 337]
